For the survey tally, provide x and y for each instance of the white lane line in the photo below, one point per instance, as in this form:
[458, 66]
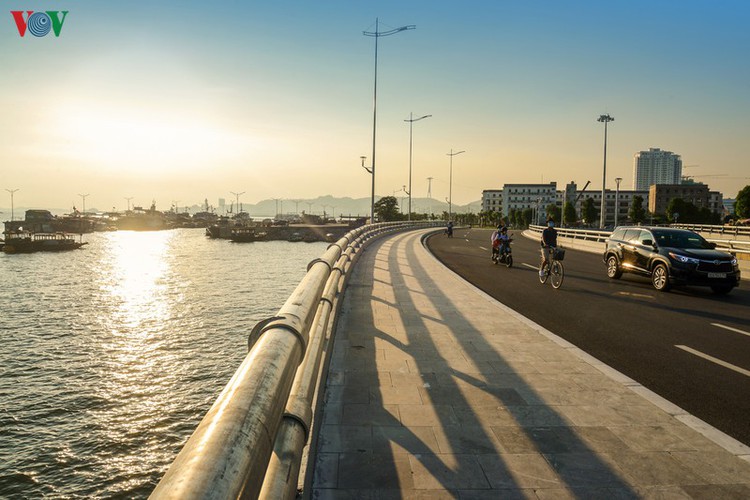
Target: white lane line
[714, 360]
[637, 295]
[731, 329]
[530, 266]
[485, 249]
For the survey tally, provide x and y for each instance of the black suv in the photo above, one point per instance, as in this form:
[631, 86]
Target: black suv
[670, 257]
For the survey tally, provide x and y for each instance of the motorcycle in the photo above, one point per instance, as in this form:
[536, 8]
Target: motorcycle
[504, 254]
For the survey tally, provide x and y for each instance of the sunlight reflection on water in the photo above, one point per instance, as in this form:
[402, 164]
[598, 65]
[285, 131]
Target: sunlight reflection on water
[112, 354]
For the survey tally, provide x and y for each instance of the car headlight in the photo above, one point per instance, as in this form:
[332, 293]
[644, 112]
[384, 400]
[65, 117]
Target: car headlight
[684, 259]
[734, 261]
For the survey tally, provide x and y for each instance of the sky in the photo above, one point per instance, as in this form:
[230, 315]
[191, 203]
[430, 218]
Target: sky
[180, 101]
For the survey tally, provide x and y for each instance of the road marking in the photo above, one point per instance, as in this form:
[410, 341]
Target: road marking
[714, 360]
[637, 295]
[481, 247]
[536, 268]
[731, 329]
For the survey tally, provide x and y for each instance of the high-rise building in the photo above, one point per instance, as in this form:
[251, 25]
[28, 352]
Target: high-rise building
[656, 167]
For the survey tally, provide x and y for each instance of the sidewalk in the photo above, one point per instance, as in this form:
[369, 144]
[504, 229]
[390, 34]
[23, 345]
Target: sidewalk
[436, 390]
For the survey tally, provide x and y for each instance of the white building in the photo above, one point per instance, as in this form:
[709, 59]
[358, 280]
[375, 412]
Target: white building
[656, 167]
[492, 199]
[533, 196]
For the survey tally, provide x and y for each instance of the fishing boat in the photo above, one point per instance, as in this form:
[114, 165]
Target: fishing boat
[21, 241]
[247, 234]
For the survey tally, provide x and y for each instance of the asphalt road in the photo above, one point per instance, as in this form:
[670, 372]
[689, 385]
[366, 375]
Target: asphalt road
[688, 345]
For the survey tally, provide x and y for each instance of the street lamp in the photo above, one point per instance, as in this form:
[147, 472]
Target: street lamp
[12, 212]
[450, 185]
[377, 34]
[237, 197]
[84, 203]
[618, 180]
[411, 121]
[604, 119]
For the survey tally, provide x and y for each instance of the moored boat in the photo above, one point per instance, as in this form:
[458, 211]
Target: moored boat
[27, 242]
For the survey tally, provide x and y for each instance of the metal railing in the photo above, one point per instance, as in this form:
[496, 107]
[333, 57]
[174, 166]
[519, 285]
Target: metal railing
[732, 246]
[250, 442]
[734, 231]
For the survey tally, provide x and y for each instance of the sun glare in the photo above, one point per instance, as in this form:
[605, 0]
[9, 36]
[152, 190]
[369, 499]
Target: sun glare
[144, 140]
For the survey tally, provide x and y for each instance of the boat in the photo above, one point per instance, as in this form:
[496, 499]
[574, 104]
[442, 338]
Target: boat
[247, 234]
[27, 242]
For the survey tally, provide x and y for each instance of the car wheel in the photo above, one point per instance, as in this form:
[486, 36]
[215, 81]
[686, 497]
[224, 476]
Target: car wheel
[613, 268]
[721, 289]
[660, 278]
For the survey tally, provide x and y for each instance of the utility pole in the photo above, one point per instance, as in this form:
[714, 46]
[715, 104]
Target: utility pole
[429, 193]
[12, 206]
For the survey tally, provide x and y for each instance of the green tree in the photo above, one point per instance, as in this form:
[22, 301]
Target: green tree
[570, 217]
[553, 211]
[589, 211]
[526, 216]
[679, 210]
[742, 205]
[637, 213]
[386, 209]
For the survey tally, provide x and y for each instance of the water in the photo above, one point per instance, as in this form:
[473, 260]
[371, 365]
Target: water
[111, 355]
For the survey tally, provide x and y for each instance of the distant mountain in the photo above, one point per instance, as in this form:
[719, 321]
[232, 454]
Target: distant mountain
[268, 208]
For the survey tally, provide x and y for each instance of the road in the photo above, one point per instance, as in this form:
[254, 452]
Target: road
[688, 345]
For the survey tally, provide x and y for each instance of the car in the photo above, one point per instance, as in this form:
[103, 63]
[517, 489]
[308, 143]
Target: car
[670, 256]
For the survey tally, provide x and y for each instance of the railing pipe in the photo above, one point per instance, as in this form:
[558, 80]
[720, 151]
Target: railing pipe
[228, 454]
[283, 469]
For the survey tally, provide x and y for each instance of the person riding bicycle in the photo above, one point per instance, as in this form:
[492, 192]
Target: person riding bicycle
[449, 229]
[549, 243]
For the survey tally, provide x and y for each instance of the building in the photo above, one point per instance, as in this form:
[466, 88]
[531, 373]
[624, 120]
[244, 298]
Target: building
[533, 196]
[698, 194]
[656, 167]
[623, 199]
[492, 200]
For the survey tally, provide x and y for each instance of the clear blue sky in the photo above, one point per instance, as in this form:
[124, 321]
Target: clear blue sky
[188, 100]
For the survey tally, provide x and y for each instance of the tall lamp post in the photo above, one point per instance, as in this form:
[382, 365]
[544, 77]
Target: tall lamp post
[377, 34]
[604, 119]
[450, 185]
[237, 197]
[411, 121]
[12, 206]
[83, 196]
[618, 180]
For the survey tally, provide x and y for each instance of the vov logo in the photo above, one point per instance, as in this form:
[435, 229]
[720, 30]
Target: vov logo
[39, 23]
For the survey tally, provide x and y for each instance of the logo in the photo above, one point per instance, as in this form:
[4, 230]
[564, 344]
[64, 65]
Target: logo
[39, 24]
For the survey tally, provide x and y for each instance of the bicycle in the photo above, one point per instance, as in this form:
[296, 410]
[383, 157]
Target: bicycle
[553, 269]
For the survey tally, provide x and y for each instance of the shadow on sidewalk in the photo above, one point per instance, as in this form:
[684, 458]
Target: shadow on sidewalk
[527, 445]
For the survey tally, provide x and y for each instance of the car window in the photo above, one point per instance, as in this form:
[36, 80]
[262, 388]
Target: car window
[645, 235]
[618, 234]
[680, 239]
[631, 235]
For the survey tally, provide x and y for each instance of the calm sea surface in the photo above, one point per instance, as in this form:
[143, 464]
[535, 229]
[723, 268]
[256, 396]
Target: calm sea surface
[111, 355]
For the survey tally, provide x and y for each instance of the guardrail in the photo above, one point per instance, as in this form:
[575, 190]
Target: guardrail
[735, 231]
[250, 442]
[733, 246]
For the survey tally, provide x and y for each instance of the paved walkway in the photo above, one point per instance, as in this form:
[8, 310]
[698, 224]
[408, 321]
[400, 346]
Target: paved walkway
[436, 390]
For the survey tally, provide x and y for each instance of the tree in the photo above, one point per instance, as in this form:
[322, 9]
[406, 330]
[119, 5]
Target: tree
[742, 205]
[570, 217]
[386, 209]
[589, 211]
[637, 213]
[553, 211]
[526, 216]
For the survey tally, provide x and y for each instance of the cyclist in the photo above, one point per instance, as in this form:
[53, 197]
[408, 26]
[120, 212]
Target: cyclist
[549, 243]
